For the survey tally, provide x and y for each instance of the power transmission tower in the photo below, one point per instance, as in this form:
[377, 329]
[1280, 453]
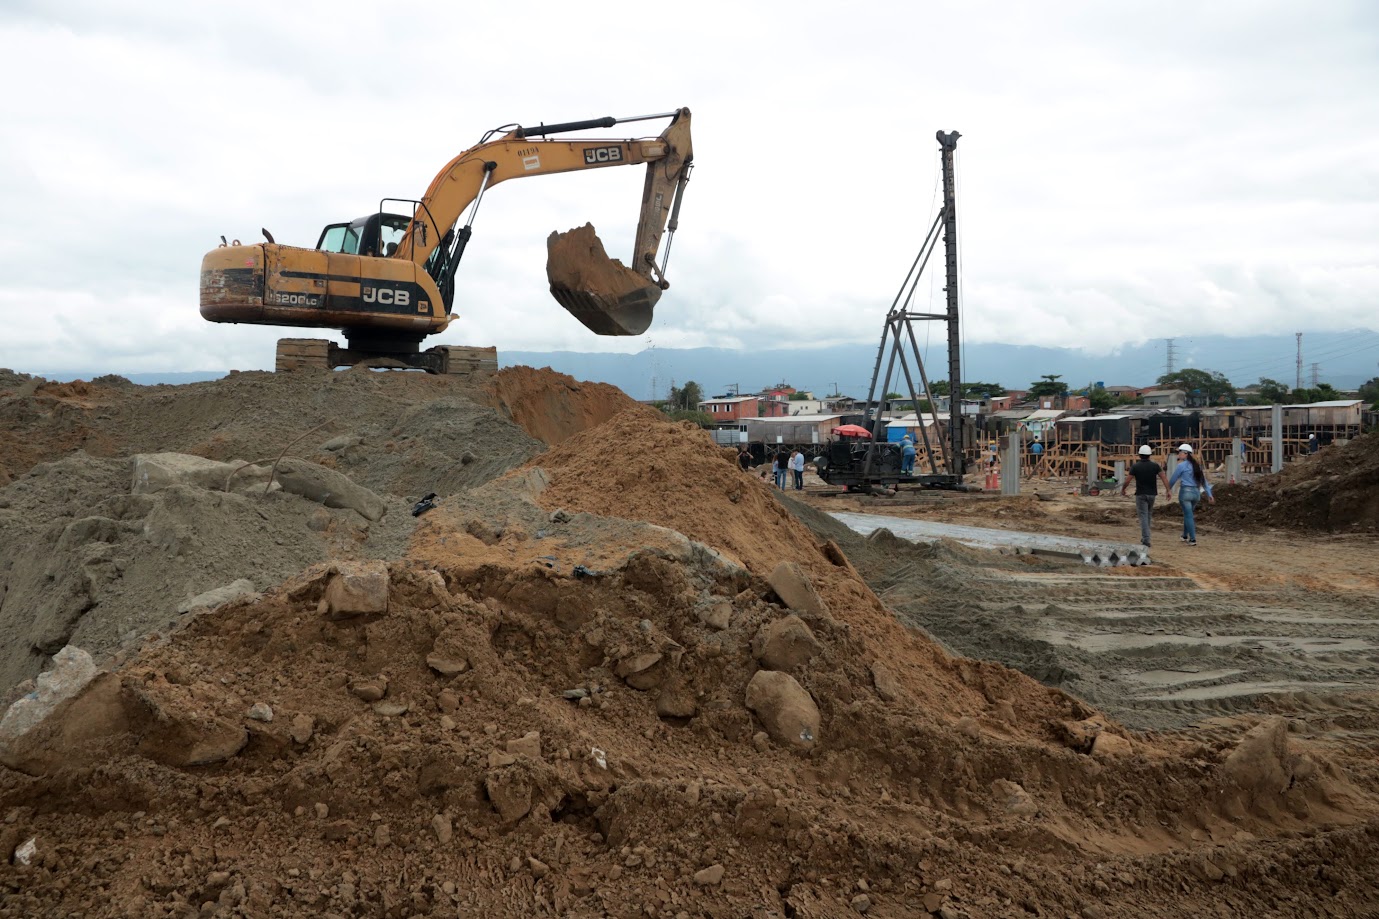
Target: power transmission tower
[1169, 343]
[1316, 375]
[1299, 337]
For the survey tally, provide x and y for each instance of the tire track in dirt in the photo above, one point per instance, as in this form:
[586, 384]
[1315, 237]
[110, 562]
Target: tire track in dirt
[1156, 651]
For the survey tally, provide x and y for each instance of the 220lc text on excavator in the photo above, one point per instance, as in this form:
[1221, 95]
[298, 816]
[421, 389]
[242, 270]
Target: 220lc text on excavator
[387, 280]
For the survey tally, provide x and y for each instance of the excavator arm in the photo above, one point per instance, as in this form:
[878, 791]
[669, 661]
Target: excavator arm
[519, 155]
[587, 285]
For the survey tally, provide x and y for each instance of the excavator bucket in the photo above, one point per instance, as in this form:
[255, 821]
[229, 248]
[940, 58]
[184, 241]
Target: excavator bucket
[601, 292]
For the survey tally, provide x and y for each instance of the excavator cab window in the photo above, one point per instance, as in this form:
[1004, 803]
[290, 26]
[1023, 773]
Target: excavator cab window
[339, 237]
[392, 230]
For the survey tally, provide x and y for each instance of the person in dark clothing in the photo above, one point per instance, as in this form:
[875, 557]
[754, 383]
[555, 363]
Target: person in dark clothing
[744, 459]
[1147, 475]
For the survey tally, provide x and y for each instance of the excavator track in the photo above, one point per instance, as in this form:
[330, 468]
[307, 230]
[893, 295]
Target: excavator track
[303, 354]
[295, 354]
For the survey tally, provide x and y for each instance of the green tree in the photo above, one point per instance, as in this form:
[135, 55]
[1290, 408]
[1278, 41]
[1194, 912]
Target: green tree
[1048, 386]
[800, 397]
[1203, 387]
[685, 399]
[1322, 392]
[1100, 399]
[969, 390]
[1270, 392]
[1369, 391]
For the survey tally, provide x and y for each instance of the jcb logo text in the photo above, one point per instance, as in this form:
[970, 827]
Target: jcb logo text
[385, 297]
[595, 155]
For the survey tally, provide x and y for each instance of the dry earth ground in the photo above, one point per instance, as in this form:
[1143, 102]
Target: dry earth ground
[586, 686]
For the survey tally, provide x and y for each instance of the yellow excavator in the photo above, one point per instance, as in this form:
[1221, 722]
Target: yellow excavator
[387, 280]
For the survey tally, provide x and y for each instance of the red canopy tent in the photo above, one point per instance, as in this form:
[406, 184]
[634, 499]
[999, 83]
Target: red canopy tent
[851, 430]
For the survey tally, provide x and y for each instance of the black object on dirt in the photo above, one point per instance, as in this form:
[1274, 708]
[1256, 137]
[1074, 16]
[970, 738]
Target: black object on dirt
[427, 502]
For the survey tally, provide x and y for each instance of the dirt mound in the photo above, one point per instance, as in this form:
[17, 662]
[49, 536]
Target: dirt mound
[590, 687]
[84, 560]
[1335, 490]
[12, 380]
[553, 407]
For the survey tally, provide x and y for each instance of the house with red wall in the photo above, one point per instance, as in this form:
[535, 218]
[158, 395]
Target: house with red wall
[732, 408]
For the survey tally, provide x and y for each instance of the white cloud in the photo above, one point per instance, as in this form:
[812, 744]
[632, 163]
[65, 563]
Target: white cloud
[1125, 169]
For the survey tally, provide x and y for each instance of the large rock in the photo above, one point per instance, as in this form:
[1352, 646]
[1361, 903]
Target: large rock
[1259, 763]
[219, 596]
[77, 731]
[640, 671]
[793, 587]
[510, 792]
[356, 588]
[72, 670]
[785, 709]
[156, 471]
[785, 644]
[184, 725]
[887, 686]
[328, 487]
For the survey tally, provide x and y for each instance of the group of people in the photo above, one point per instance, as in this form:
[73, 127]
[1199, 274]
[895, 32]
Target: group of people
[1188, 475]
[783, 466]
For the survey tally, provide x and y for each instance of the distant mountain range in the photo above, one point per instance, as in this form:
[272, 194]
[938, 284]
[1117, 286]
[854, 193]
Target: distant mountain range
[1343, 359]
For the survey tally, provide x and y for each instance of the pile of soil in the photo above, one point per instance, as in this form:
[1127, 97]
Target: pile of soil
[593, 687]
[1334, 490]
[83, 560]
[553, 407]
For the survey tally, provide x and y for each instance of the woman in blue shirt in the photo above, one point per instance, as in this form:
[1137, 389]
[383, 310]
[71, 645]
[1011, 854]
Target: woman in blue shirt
[1191, 480]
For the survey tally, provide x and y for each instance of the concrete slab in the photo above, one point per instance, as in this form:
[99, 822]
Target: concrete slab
[1009, 541]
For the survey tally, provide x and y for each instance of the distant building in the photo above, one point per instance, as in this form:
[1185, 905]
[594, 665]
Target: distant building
[731, 408]
[1166, 398]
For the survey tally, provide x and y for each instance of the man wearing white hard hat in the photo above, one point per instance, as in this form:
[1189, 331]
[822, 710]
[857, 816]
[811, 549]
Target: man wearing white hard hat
[1191, 480]
[1147, 475]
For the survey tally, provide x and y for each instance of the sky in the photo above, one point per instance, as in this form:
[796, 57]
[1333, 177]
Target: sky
[1127, 171]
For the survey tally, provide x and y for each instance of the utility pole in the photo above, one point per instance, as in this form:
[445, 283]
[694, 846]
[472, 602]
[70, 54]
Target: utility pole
[1299, 337]
[734, 388]
[1169, 347]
